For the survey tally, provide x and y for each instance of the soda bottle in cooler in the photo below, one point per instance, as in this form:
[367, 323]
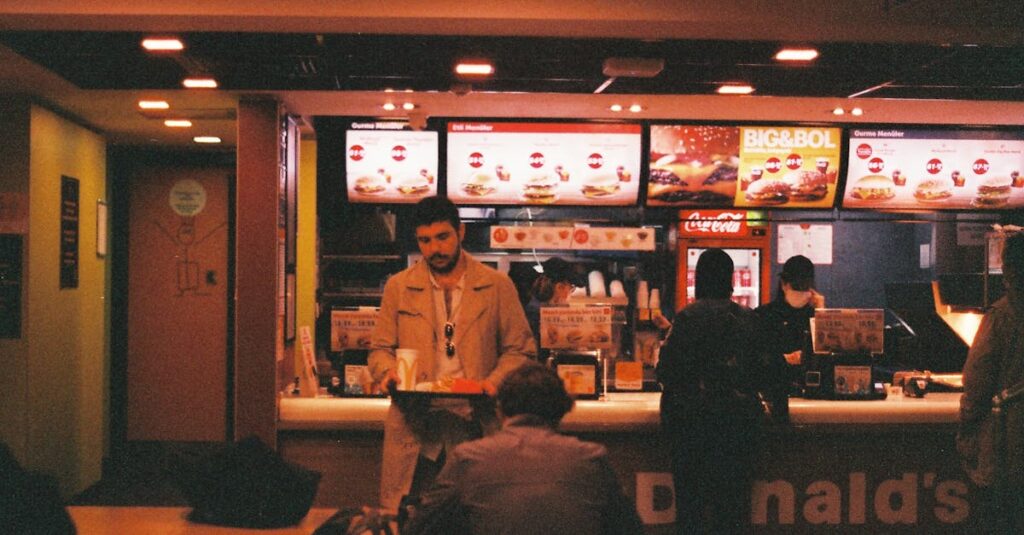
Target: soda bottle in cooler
[736, 278]
[745, 278]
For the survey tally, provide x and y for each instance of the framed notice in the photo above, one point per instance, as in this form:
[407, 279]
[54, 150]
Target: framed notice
[847, 330]
[917, 169]
[351, 328]
[513, 163]
[385, 162]
[69, 232]
[743, 166]
[575, 327]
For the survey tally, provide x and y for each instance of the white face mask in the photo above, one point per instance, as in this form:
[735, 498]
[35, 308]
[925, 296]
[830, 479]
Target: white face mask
[796, 298]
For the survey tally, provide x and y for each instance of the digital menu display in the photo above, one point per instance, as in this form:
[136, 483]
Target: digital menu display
[935, 170]
[506, 163]
[743, 166]
[386, 164]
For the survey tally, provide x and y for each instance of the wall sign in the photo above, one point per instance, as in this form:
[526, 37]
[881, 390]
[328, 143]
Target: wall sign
[68, 232]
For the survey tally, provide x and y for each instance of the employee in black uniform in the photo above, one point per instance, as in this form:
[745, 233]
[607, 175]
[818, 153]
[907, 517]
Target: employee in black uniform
[787, 317]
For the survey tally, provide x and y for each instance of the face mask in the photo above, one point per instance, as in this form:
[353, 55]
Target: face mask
[797, 298]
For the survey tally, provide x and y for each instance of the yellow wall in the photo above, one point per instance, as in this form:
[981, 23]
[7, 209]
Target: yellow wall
[67, 363]
[305, 252]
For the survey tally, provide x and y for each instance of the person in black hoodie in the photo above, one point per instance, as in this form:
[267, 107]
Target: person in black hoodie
[712, 369]
[787, 317]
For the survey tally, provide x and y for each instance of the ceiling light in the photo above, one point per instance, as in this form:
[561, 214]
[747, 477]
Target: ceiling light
[155, 44]
[857, 111]
[636, 108]
[735, 89]
[796, 54]
[153, 105]
[178, 123]
[408, 106]
[838, 111]
[388, 106]
[615, 107]
[199, 83]
[206, 139]
[475, 68]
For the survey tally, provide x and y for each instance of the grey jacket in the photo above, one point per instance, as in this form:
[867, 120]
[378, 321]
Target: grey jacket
[528, 479]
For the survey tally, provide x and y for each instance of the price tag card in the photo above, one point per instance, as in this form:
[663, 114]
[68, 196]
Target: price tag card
[576, 327]
[350, 329]
[847, 330]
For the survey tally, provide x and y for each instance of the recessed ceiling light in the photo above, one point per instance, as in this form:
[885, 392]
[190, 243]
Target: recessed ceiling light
[153, 105]
[408, 106]
[206, 139]
[838, 111]
[199, 83]
[474, 68]
[388, 106]
[636, 108]
[615, 107]
[178, 123]
[857, 111]
[162, 44]
[796, 54]
[735, 89]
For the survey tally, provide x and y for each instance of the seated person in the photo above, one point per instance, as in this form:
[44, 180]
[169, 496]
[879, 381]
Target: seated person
[527, 478]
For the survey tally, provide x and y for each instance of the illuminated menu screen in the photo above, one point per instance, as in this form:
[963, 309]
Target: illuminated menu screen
[935, 170]
[385, 164]
[743, 166]
[543, 163]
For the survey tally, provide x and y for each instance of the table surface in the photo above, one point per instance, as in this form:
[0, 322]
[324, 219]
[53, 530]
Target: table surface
[624, 412]
[101, 520]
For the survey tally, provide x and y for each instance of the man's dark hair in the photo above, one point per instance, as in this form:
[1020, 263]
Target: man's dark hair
[534, 389]
[714, 275]
[434, 210]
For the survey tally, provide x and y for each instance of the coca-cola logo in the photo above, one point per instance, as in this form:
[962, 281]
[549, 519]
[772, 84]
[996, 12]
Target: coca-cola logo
[715, 223]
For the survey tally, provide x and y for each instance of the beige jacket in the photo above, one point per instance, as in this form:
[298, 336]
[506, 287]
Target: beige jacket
[492, 338]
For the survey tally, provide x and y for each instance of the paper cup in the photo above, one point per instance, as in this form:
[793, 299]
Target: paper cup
[407, 368]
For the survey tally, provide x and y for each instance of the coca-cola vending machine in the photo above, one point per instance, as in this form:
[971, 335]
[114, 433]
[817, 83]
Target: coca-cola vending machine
[747, 241]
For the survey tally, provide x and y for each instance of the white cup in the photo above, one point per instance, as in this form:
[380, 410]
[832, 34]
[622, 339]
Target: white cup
[407, 360]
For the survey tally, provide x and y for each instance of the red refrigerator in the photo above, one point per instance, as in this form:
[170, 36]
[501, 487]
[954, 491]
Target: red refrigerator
[747, 240]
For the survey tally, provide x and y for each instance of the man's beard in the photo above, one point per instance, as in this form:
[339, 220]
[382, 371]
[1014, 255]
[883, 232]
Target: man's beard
[448, 266]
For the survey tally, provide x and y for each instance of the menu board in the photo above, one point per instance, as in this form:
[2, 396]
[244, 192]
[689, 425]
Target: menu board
[935, 170]
[351, 329]
[743, 166]
[847, 330]
[386, 164]
[576, 327]
[503, 163]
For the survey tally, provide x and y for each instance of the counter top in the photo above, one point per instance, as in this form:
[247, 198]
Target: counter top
[624, 412]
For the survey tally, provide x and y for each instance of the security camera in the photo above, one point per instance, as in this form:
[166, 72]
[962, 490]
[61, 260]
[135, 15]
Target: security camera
[461, 90]
[417, 120]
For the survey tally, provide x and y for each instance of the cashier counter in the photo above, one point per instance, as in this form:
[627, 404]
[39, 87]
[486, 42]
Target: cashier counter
[628, 412]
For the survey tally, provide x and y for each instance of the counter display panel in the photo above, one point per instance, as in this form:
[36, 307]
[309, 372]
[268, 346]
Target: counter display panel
[384, 163]
[743, 166]
[520, 163]
[897, 169]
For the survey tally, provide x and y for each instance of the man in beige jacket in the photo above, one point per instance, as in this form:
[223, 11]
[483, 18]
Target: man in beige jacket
[464, 320]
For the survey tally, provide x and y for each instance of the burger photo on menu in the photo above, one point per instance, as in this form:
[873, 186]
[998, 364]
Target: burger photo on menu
[693, 165]
[873, 188]
[600, 185]
[541, 188]
[413, 185]
[479, 184]
[371, 184]
[806, 186]
[993, 192]
[933, 191]
[768, 192]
